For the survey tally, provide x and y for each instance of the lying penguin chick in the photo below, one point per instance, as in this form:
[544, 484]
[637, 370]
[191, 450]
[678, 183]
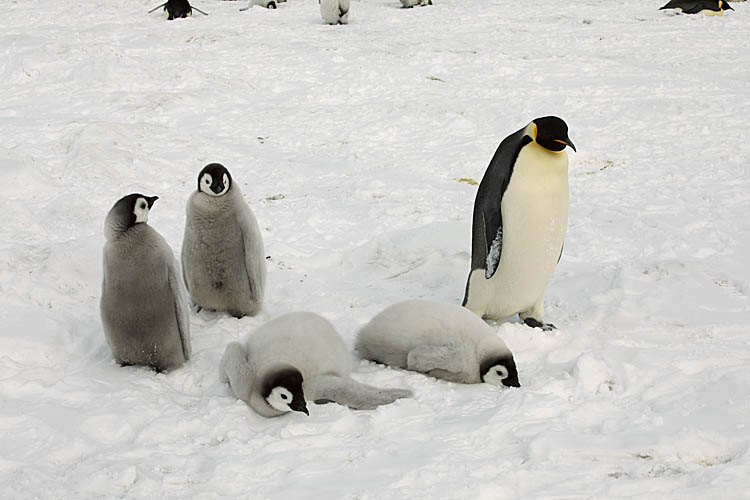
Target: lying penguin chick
[445, 341]
[293, 359]
[334, 11]
[143, 306]
[223, 260]
[413, 3]
[706, 7]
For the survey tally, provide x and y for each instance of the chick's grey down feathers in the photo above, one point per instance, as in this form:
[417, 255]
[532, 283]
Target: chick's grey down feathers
[143, 306]
[306, 342]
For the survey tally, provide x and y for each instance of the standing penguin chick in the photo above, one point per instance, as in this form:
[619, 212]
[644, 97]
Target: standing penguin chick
[223, 261]
[334, 11]
[442, 340]
[143, 306]
[293, 359]
[408, 4]
[520, 219]
[707, 7]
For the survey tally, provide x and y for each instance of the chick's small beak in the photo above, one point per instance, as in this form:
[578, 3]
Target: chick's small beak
[150, 200]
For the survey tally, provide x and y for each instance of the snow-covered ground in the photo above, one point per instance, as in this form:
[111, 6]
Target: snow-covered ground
[350, 143]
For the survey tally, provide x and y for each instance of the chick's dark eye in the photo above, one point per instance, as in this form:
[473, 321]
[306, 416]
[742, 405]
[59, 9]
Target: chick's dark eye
[284, 396]
[143, 205]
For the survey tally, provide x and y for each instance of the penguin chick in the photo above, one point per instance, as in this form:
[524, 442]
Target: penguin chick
[293, 359]
[519, 223]
[334, 11]
[408, 4]
[707, 7]
[143, 305]
[445, 341]
[223, 261]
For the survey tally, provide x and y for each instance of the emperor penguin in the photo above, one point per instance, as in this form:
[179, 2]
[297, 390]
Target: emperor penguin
[223, 261]
[706, 7]
[334, 11]
[445, 341]
[143, 307]
[519, 223]
[176, 9]
[408, 4]
[293, 359]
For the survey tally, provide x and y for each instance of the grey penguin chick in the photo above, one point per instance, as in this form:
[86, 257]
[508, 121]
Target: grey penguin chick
[143, 307]
[223, 261]
[706, 7]
[445, 341]
[519, 223]
[295, 358]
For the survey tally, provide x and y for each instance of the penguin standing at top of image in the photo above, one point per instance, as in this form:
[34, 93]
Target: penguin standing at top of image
[519, 223]
[223, 260]
[176, 9]
[706, 7]
[334, 11]
[143, 305]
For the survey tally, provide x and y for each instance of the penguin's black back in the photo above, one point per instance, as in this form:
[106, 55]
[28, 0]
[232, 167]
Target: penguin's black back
[692, 6]
[177, 9]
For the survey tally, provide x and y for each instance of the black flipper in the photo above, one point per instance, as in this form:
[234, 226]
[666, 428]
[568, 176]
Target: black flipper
[487, 226]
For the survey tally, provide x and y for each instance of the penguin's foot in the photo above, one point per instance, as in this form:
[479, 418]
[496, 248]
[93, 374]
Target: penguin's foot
[533, 323]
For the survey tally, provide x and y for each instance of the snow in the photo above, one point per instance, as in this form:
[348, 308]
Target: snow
[349, 143]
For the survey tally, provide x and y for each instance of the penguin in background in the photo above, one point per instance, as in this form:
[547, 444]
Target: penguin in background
[143, 305]
[445, 341]
[293, 359]
[519, 224]
[223, 260]
[176, 9]
[706, 7]
[334, 11]
[268, 4]
[408, 4]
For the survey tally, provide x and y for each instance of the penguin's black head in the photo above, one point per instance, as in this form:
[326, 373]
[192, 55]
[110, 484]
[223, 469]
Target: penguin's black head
[177, 8]
[283, 390]
[214, 180]
[130, 210]
[724, 6]
[500, 370]
[552, 133]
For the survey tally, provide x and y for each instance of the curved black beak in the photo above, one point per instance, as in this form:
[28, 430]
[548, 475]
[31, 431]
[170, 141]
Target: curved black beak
[726, 6]
[298, 404]
[150, 200]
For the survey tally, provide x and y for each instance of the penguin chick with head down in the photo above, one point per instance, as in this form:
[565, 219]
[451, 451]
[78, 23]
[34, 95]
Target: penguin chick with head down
[445, 341]
[334, 11]
[143, 306]
[223, 261]
[706, 7]
[293, 359]
[519, 223]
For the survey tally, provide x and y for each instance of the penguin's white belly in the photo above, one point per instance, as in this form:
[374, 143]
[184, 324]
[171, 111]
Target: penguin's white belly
[535, 217]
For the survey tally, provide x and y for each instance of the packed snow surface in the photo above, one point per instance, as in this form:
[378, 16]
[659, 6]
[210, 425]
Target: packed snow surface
[356, 147]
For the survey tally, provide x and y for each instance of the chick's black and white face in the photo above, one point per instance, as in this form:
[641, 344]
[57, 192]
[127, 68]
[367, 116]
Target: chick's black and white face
[500, 372]
[283, 391]
[140, 210]
[214, 180]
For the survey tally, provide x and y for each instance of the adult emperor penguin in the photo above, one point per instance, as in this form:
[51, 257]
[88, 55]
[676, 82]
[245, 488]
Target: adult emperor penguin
[295, 358]
[223, 261]
[334, 11]
[707, 7]
[445, 341]
[143, 306]
[519, 224]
